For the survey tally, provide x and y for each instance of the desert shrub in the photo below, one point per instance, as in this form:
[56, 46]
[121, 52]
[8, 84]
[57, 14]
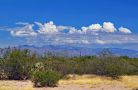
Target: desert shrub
[18, 64]
[111, 66]
[134, 65]
[114, 70]
[3, 75]
[45, 78]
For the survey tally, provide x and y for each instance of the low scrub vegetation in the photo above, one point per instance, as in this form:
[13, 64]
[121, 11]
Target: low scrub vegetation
[47, 69]
[45, 78]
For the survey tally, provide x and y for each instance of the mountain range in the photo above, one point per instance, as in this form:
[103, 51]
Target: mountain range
[76, 51]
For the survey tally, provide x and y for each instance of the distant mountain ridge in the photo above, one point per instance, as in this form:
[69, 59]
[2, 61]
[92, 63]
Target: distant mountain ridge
[75, 51]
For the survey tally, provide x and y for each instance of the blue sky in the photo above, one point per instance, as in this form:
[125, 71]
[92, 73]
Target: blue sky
[19, 15]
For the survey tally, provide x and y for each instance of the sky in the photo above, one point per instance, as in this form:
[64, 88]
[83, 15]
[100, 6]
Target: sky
[89, 23]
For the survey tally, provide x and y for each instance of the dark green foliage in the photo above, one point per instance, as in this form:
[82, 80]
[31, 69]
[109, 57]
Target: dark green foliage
[111, 66]
[19, 64]
[45, 78]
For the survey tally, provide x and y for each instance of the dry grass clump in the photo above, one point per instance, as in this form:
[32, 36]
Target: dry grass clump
[126, 81]
[87, 79]
[130, 81]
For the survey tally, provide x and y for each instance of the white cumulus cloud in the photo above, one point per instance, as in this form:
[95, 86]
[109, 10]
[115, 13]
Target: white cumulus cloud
[47, 28]
[124, 30]
[95, 27]
[109, 27]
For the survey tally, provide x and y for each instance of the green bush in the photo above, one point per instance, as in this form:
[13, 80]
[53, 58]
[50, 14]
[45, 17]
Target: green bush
[17, 64]
[114, 70]
[111, 66]
[45, 78]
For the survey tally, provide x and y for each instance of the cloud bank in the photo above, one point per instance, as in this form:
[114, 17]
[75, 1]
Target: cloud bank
[26, 30]
[50, 33]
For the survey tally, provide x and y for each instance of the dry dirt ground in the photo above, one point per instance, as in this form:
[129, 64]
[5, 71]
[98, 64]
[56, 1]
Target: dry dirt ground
[75, 82]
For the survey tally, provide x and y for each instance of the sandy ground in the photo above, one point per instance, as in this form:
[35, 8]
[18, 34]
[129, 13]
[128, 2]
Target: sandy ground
[27, 85]
[87, 87]
[79, 83]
